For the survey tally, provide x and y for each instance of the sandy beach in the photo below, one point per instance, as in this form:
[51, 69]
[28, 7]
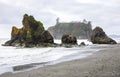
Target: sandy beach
[105, 63]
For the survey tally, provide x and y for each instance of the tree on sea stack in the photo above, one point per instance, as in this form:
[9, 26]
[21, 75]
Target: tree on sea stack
[99, 37]
[31, 34]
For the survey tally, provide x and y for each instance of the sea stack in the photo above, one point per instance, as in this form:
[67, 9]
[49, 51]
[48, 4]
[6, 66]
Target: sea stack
[99, 37]
[31, 34]
[69, 39]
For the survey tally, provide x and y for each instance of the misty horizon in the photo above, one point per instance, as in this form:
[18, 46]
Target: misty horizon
[101, 13]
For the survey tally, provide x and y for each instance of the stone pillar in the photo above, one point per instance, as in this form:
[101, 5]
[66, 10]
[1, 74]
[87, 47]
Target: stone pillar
[57, 20]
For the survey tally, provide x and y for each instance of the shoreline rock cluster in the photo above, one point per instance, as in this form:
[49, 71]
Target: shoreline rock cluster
[33, 34]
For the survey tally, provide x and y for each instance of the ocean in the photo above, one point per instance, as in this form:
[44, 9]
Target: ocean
[12, 57]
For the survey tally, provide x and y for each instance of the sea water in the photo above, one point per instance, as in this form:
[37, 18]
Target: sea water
[14, 56]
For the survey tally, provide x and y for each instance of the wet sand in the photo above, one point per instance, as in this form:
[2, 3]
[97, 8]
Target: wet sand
[105, 63]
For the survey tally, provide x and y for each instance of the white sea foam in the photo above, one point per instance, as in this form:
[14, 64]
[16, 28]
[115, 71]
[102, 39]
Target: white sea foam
[87, 42]
[12, 56]
[117, 40]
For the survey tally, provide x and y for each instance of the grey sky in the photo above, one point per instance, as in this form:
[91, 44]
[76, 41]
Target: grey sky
[104, 13]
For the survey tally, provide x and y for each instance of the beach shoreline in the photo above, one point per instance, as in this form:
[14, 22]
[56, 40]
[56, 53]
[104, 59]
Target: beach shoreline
[104, 63]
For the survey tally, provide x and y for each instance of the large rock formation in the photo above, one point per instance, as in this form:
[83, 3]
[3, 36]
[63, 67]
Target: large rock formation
[31, 34]
[81, 30]
[69, 39]
[99, 37]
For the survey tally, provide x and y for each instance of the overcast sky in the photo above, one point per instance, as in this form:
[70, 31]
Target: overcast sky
[104, 13]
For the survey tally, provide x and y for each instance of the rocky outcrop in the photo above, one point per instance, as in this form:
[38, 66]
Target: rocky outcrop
[47, 37]
[81, 30]
[69, 39]
[99, 37]
[31, 34]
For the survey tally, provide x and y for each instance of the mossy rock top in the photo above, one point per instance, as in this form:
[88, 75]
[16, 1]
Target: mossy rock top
[31, 34]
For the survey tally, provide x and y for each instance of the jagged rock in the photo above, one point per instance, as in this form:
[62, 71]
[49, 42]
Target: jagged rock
[69, 39]
[15, 32]
[47, 37]
[99, 37]
[31, 34]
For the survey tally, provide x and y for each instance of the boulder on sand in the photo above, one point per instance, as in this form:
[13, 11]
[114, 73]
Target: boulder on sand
[99, 37]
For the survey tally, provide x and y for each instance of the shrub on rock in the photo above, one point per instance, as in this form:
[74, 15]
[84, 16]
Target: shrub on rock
[31, 34]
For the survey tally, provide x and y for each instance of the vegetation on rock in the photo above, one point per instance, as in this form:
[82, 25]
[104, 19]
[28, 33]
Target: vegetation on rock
[31, 34]
[81, 30]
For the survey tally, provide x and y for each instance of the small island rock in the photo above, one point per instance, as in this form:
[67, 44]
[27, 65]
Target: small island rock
[69, 39]
[99, 37]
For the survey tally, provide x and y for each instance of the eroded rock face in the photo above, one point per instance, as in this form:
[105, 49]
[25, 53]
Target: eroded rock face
[69, 39]
[31, 34]
[47, 37]
[99, 37]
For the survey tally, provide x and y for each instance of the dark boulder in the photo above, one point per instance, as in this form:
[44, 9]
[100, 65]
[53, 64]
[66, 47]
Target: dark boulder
[31, 34]
[47, 37]
[69, 39]
[82, 44]
[99, 37]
